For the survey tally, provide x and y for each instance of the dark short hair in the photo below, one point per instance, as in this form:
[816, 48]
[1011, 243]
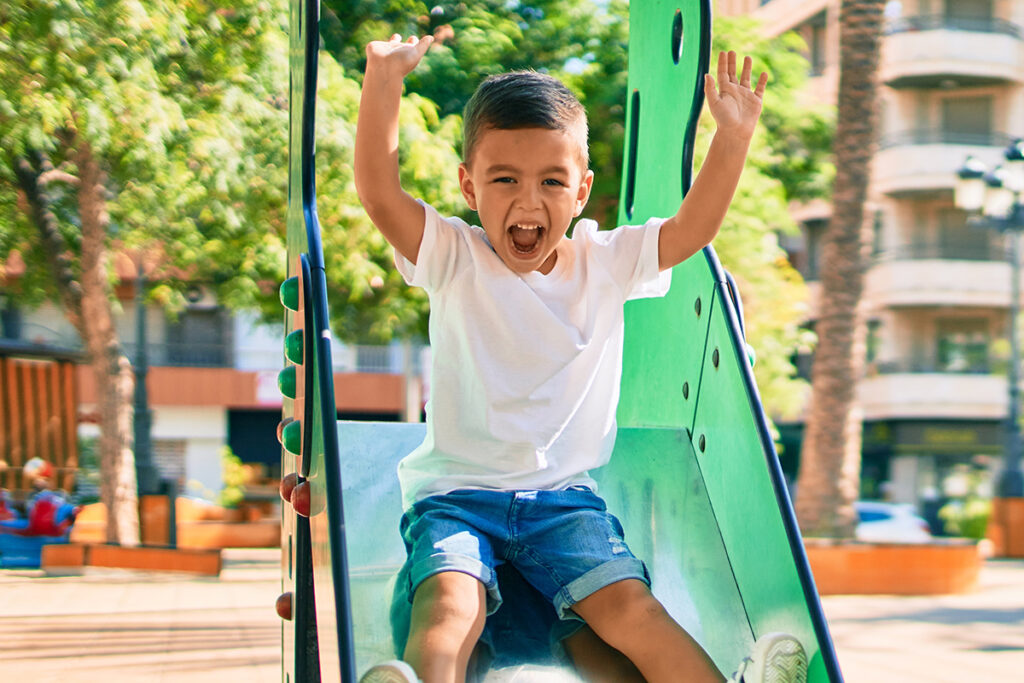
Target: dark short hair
[523, 99]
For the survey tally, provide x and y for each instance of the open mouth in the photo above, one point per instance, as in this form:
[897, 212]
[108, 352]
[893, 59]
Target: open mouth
[526, 237]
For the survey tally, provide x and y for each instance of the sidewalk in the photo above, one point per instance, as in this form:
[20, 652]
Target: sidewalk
[111, 625]
[943, 639]
[120, 626]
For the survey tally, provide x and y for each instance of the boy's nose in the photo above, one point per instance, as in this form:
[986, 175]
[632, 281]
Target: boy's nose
[528, 197]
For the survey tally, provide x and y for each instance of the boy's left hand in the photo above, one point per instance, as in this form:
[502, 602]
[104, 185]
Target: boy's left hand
[734, 105]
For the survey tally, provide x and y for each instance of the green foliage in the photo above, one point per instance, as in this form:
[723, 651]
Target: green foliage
[967, 518]
[234, 477]
[186, 105]
[789, 161]
[183, 104]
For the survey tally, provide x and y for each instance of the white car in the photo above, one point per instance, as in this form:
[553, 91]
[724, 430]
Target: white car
[890, 523]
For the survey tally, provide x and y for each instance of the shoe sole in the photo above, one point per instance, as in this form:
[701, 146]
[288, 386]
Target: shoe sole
[785, 662]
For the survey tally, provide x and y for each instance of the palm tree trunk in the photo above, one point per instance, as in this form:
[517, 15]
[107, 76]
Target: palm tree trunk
[829, 478]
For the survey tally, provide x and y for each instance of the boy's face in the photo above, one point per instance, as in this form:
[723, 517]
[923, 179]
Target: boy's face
[527, 184]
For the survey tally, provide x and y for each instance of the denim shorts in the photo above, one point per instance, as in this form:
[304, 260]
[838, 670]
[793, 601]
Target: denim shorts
[537, 553]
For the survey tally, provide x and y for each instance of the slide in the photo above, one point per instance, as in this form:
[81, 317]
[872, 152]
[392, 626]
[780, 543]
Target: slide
[694, 478]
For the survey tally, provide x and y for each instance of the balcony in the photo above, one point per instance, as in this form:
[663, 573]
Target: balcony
[917, 389]
[939, 275]
[934, 51]
[924, 161]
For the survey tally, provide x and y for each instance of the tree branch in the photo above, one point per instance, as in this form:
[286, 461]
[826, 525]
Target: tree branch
[54, 246]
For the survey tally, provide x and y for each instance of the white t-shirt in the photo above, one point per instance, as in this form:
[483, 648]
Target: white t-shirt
[525, 367]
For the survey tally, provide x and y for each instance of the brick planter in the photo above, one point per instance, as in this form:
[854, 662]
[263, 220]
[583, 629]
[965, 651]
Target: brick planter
[74, 557]
[854, 568]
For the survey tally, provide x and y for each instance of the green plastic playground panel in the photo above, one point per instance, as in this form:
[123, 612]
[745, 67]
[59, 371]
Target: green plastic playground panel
[653, 485]
[747, 510]
[296, 236]
[681, 366]
[662, 94]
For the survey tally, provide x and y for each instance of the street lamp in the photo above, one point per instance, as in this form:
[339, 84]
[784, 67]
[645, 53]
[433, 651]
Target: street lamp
[999, 196]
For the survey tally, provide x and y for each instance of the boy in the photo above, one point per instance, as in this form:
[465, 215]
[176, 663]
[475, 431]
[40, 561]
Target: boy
[526, 331]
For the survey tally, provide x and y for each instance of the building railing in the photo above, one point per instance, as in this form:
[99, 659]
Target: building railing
[935, 22]
[346, 358]
[950, 251]
[937, 136]
[957, 365]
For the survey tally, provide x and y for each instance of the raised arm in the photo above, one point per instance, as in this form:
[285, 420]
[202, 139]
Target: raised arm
[736, 109]
[395, 213]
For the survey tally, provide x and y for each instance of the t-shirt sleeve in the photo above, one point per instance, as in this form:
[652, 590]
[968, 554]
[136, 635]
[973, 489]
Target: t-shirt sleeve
[630, 254]
[437, 256]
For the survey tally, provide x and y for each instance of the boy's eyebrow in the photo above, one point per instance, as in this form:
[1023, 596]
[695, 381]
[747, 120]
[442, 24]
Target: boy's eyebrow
[500, 168]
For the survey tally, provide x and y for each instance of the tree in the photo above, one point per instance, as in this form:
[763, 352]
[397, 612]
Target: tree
[159, 130]
[829, 478]
[125, 127]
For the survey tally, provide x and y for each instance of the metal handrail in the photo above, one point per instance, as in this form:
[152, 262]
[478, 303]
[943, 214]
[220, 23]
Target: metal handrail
[935, 22]
[947, 251]
[939, 136]
[934, 365]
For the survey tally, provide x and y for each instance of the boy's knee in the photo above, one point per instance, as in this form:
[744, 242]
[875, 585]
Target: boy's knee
[450, 599]
[619, 607]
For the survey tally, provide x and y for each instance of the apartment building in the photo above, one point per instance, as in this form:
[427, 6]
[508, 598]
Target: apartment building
[212, 381]
[937, 292]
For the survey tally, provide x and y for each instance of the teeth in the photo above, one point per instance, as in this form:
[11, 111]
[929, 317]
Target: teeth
[527, 226]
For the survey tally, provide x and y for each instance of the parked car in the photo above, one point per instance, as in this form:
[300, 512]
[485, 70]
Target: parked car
[890, 523]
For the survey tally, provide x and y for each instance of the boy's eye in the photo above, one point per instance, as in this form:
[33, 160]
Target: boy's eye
[504, 179]
[553, 181]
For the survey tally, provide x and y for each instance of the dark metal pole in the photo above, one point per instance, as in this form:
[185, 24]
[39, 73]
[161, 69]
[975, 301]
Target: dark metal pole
[1011, 482]
[145, 471]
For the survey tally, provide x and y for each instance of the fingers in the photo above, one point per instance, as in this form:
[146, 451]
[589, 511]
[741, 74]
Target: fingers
[762, 81]
[748, 65]
[710, 93]
[424, 44]
[727, 62]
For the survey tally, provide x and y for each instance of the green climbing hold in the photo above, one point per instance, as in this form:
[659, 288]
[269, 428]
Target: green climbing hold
[292, 440]
[293, 344]
[286, 381]
[290, 293]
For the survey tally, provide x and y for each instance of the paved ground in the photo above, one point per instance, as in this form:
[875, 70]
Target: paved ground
[123, 626]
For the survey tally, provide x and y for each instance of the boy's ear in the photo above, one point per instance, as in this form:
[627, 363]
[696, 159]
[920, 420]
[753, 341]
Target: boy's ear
[466, 185]
[583, 192]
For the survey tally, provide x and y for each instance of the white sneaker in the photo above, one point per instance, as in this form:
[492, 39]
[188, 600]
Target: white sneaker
[394, 671]
[776, 658]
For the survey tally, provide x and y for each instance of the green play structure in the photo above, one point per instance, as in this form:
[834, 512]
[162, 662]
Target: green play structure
[694, 478]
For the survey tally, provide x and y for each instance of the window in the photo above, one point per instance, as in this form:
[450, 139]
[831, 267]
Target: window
[200, 338]
[963, 345]
[969, 9]
[967, 120]
[815, 232]
[958, 241]
[873, 340]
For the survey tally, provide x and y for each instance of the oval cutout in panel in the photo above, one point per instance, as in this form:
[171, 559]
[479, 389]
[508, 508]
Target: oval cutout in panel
[634, 135]
[677, 37]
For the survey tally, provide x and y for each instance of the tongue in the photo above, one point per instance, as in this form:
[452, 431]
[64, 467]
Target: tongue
[524, 239]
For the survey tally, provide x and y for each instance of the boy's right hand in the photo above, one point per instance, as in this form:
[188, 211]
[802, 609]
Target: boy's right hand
[396, 54]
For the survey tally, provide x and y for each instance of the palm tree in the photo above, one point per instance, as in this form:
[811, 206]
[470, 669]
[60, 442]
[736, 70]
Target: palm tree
[829, 478]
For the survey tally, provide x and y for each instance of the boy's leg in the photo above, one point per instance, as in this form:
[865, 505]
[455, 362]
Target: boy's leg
[448, 612]
[597, 661]
[630, 619]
